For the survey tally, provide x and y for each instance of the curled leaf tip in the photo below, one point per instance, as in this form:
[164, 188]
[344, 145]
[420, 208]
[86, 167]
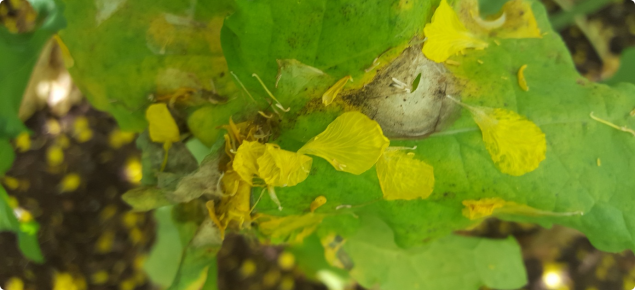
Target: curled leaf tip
[330, 95]
[352, 143]
[401, 176]
[447, 36]
[516, 145]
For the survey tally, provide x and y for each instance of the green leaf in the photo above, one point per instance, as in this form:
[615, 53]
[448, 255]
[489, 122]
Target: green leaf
[125, 51]
[163, 261]
[19, 55]
[452, 262]
[626, 71]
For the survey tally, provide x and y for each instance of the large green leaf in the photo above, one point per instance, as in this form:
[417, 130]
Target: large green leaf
[567, 183]
[452, 262]
[125, 51]
[19, 55]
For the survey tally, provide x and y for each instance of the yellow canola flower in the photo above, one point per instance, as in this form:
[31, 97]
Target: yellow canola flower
[118, 138]
[70, 182]
[476, 209]
[65, 281]
[332, 92]
[447, 36]
[23, 142]
[403, 177]
[246, 159]
[54, 156]
[81, 130]
[352, 143]
[283, 168]
[14, 283]
[516, 145]
[162, 128]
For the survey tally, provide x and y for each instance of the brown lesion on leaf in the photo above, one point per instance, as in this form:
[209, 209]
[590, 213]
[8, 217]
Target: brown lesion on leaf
[404, 111]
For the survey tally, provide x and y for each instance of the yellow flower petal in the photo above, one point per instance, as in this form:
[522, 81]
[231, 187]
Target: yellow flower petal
[403, 177]
[292, 229]
[517, 145]
[163, 128]
[318, 202]
[23, 142]
[246, 159]
[332, 92]
[283, 168]
[447, 36]
[522, 82]
[476, 209]
[352, 143]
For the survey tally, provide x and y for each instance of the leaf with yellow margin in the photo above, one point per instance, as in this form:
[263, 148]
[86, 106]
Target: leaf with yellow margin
[447, 36]
[246, 159]
[283, 168]
[515, 20]
[401, 176]
[352, 143]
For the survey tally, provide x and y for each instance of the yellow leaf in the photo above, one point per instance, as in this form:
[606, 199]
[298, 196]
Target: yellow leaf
[447, 36]
[403, 177]
[522, 82]
[516, 145]
[70, 182]
[333, 91]
[23, 142]
[163, 128]
[476, 209]
[283, 168]
[246, 159]
[352, 143]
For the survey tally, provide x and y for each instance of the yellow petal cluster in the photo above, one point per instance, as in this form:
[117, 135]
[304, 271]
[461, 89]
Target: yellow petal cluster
[403, 177]
[516, 145]
[447, 36]
[476, 209]
[352, 143]
[246, 159]
[283, 168]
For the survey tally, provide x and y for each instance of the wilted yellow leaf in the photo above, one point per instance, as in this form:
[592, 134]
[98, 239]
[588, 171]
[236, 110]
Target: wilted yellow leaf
[403, 177]
[246, 159]
[447, 36]
[283, 168]
[352, 143]
[332, 92]
[163, 128]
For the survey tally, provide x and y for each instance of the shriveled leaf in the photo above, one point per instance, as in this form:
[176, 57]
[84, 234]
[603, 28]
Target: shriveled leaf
[146, 198]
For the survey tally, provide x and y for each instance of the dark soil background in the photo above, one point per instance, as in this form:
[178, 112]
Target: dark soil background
[90, 233]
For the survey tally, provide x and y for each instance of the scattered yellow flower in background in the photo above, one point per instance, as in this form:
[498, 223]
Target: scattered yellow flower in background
[54, 156]
[118, 138]
[476, 209]
[352, 143]
[286, 261]
[246, 159]
[23, 142]
[317, 202]
[14, 283]
[81, 130]
[403, 177]
[70, 182]
[248, 268]
[516, 145]
[283, 168]
[522, 82]
[99, 278]
[332, 92]
[162, 128]
[10, 182]
[133, 170]
[65, 281]
[447, 36]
